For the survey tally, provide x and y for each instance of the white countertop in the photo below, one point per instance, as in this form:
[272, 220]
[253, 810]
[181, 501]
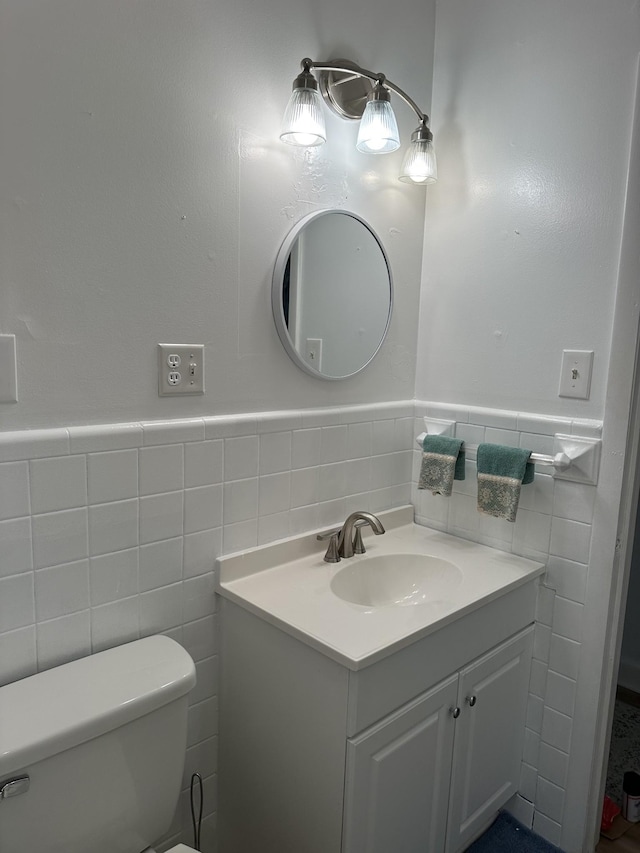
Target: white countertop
[287, 583]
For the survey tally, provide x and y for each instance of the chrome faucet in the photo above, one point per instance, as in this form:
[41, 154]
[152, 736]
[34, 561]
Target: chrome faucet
[344, 542]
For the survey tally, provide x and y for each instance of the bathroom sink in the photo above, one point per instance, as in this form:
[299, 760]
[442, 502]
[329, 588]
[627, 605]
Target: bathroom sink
[396, 579]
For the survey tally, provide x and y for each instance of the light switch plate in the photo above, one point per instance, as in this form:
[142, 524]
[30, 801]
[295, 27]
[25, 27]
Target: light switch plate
[8, 369]
[575, 374]
[180, 369]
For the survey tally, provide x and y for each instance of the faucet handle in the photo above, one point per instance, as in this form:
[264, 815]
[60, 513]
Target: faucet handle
[332, 555]
[358, 544]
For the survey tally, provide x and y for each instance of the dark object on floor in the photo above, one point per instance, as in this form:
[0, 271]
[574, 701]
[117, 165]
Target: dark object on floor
[506, 835]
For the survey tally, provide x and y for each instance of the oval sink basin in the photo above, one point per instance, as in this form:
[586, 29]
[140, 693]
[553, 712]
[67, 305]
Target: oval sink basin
[396, 579]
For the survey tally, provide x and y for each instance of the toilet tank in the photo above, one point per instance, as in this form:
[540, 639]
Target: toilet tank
[102, 740]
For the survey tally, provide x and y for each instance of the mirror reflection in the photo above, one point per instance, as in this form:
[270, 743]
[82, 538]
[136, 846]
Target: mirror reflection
[332, 294]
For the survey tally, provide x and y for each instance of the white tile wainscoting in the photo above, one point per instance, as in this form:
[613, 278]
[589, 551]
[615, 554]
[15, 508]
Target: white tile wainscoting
[553, 524]
[110, 532]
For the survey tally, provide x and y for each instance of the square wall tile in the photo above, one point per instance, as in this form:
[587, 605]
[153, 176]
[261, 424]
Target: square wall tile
[553, 764]
[16, 602]
[304, 486]
[59, 483]
[198, 598]
[161, 517]
[274, 493]
[570, 539]
[240, 501]
[15, 546]
[471, 434]
[200, 551]
[206, 680]
[113, 526]
[564, 656]
[556, 729]
[538, 496]
[114, 623]
[507, 437]
[545, 605]
[568, 578]
[60, 537]
[202, 508]
[203, 463]
[200, 638]
[14, 489]
[62, 590]
[161, 469]
[305, 448]
[160, 564]
[550, 800]
[333, 444]
[359, 440]
[240, 535]
[463, 514]
[548, 829]
[112, 476]
[18, 657]
[275, 452]
[575, 501]
[568, 618]
[113, 576]
[241, 457]
[273, 527]
[561, 693]
[64, 639]
[531, 534]
[160, 609]
[383, 437]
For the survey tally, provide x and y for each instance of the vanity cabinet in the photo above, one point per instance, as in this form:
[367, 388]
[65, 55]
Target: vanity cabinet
[319, 757]
[453, 751]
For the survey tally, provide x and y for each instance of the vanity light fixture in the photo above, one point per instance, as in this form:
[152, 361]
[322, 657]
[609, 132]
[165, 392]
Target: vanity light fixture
[354, 93]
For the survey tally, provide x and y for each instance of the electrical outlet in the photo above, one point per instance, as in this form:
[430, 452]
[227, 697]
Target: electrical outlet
[575, 374]
[180, 369]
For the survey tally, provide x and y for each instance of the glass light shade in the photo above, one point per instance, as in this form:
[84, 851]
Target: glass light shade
[303, 122]
[378, 133]
[419, 166]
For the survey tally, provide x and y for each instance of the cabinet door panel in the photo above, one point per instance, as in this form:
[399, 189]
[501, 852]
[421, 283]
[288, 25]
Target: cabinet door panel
[398, 776]
[489, 737]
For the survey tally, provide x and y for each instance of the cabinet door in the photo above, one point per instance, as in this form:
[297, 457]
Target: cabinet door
[489, 737]
[398, 776]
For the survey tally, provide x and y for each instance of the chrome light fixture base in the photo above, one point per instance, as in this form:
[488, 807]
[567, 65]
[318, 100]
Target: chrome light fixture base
[345, 93]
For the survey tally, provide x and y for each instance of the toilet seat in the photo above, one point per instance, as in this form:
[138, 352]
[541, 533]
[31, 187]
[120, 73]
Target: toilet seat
[181, 848]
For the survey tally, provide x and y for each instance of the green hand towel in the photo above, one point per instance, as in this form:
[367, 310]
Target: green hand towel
[442, 463]
[501, 472]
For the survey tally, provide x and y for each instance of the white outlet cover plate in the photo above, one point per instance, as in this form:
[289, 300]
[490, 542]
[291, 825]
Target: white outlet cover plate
[181, 362]
[575, 373]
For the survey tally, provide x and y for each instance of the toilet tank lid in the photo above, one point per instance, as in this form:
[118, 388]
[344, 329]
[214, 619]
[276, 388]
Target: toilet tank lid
[60, 708]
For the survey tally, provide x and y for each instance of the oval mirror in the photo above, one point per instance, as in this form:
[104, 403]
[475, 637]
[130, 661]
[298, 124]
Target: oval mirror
[332, 294]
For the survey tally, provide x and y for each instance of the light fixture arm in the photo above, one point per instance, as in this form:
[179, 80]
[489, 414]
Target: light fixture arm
[352, 68]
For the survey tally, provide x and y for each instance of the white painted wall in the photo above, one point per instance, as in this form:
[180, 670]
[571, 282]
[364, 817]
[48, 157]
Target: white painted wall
[145, 194]
[532, 109]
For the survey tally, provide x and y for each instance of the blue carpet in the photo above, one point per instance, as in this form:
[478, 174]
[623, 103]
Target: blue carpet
[506, 835]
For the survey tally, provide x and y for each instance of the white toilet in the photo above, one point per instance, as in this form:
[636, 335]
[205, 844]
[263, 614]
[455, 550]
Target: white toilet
[92, 752]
